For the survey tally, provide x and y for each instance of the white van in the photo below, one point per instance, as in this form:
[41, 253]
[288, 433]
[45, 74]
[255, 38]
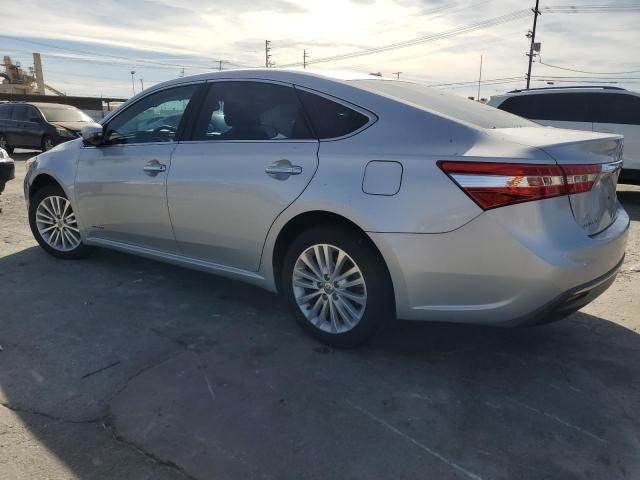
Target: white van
[600, 109]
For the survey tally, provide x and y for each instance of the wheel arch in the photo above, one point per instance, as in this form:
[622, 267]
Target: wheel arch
[299, 223]
[42, 180]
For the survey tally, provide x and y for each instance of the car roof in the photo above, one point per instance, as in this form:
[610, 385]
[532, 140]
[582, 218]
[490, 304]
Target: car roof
[39, 104]
[569, 89]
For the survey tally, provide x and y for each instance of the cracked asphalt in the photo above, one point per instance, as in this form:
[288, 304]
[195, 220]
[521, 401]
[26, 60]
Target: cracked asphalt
[116, 367]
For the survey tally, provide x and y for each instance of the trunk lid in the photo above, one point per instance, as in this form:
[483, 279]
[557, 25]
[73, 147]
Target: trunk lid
[593, 210]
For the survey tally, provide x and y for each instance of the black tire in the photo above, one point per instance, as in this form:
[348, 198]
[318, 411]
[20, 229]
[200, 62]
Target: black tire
[7, 147]
[379, 308]
[46, 143]
[80, 251]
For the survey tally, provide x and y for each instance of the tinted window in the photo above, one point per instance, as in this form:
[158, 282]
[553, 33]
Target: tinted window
[617, 108]
[251, 111]
[19, 112]
[155, 118]
[32, 113]
[5, 112]
[568, 107]
[328, 118]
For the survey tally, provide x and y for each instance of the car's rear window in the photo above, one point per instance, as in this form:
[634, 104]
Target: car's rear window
[446, 104]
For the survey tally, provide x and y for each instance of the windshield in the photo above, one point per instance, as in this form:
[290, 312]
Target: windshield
[64, 114]
[439, 102]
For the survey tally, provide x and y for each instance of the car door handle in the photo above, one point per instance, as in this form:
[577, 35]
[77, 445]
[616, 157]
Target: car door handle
[283, 170]
[154, 167]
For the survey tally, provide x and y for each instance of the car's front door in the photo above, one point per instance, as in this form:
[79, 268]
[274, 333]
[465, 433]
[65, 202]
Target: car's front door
[121, 185]
[16, 133]
[33, 127]
[251, 154]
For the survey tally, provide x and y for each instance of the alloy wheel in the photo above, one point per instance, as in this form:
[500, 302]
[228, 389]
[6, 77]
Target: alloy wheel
[329, 288]
[56, 223]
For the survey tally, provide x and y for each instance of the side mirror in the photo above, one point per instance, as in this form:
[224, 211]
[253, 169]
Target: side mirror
[93, 133]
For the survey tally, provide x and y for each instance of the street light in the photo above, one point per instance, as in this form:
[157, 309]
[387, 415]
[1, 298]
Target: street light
[133, 83]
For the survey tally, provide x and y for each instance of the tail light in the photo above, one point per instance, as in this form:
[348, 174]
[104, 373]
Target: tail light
[493, 185]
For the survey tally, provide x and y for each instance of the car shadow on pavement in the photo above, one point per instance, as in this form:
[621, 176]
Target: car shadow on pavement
[128, 368]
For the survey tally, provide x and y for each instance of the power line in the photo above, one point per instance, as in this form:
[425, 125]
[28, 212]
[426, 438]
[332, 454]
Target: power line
[585, 71]
[425, 39]
[107, 55]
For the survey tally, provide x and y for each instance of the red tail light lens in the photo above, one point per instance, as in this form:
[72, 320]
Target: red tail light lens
[493, 185]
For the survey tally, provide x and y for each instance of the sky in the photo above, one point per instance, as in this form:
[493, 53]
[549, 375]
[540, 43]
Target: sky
[92, 51]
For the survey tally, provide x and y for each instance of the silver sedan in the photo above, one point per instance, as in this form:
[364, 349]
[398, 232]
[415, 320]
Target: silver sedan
[360, 199]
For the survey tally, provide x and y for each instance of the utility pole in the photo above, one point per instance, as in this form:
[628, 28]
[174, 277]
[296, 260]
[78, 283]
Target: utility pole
[220, 65]
[133, 83]
[397, 74]
[182, 73]
[480, 78]
[532, 34]
[304, 59]
[267, 55]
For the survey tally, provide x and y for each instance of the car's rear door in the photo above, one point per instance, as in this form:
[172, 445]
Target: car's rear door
[251, 154]
[620, 113]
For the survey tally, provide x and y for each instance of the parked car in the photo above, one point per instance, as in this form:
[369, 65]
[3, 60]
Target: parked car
[39, 125]
[7, 169]
[359, 199]
[598, 109]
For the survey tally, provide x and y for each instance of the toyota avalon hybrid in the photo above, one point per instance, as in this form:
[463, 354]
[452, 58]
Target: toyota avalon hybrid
[360, 199]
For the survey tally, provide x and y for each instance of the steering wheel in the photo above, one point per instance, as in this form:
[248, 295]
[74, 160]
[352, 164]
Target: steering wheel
[164, 131]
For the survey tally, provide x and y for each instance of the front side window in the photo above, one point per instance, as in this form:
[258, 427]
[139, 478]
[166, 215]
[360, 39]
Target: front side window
[330, 119]
[244, 110]
[155, 118]
[32, 114]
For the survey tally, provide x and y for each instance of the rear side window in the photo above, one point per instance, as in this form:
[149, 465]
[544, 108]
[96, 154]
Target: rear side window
[330, 119]
[5, 112]
[617, 108]
[246, 110]
[567, 107]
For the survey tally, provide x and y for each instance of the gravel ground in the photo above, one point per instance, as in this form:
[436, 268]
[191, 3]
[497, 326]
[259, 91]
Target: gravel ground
[119, 367]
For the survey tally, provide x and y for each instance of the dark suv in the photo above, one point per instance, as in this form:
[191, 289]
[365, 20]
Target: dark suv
[39, 125]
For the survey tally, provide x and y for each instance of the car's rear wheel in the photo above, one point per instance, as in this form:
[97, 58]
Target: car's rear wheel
[54, 225]
[47, 143]
[4, 144]
[337, 285]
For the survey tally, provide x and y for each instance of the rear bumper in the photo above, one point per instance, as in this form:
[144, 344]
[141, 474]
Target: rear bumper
[522, 264]
[570, 301]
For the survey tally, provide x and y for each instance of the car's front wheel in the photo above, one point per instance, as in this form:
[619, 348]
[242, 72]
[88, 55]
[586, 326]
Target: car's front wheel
[54, 225]
[46, 144]
[337, 285]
